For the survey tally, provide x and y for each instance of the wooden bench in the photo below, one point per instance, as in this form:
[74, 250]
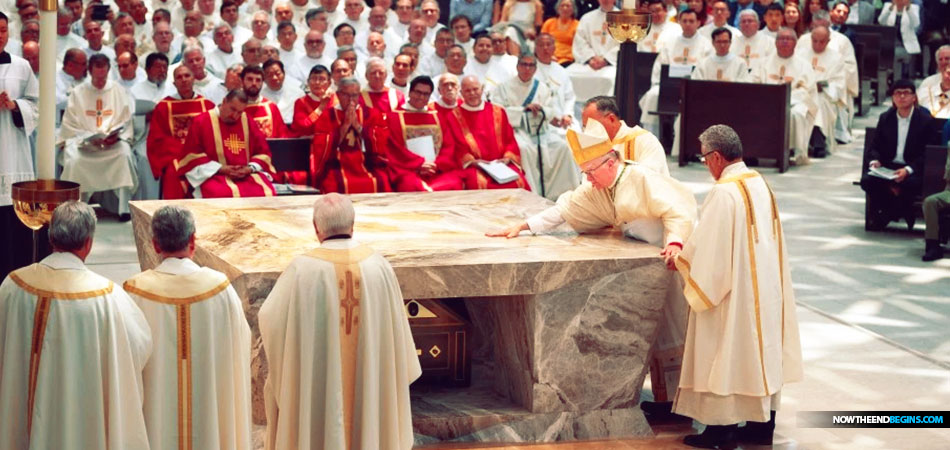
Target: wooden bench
[887, 39]
[291, 155]
[668, 106]
[704, 104]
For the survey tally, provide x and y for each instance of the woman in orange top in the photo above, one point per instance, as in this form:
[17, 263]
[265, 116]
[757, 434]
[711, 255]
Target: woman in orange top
[562, 28]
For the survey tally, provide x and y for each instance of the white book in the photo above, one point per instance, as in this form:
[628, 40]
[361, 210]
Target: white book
[499, 171]
[423, 146]
[883, 172]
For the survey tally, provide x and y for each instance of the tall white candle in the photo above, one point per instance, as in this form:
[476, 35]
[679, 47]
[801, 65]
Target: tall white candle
[47, 127]
[629, 4]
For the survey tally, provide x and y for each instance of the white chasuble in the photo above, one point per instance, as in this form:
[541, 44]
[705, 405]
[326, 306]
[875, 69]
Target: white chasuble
[16, 160]
[798, 73]
[339, 351]
[72, 347]
[828, 66]
[592, 39]
[742, 342]
[722, 68]
[752, 49]
[91, 111]
[198, 380]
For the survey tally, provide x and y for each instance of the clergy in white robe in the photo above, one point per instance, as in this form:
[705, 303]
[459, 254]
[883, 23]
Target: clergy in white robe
[842, 45]
[223, 55]
[489, 70]
[742, 341]
[686, 50]
[19, 93]
[72, 74]
[631, 143]
[339, 349]
[281, 90]
[558, 81]
[198, 379]
[749, 44]
[595, 54]
[95, 136]
[937, 97]
[206, 84]
[73, 348]
[942, 56]
[831, 96]
[660, 29]
[784, 66]
[530, 106]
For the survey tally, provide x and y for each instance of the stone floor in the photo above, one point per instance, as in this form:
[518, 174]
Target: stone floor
[875, 320]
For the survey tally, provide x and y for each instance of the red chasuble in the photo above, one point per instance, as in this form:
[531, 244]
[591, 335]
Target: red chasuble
[384, 101]
[346, 161]
[488, 136]
[167, 131]
[240, 143]
[307, 111]
[404, 164]
[267, 116]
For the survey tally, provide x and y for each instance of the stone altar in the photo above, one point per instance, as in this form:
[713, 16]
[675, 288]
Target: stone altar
[563, 322]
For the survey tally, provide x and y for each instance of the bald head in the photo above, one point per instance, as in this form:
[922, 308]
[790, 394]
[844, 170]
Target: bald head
[31, 53]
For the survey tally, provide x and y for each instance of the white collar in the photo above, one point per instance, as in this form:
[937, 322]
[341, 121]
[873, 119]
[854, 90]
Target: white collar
[178, 266]
[733, 169]
[339, 243]
[408, 107]
[480, 107]
[723, 59]
[63, 260]
[446, 105]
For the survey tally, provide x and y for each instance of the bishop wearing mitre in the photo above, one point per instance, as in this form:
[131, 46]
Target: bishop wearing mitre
[228, 155]
[643, 203]
[171, 120]
[198, 379]
[338, 344]
[73, 348]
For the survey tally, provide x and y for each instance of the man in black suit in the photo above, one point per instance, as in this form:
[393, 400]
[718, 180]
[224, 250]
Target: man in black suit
[903, 132]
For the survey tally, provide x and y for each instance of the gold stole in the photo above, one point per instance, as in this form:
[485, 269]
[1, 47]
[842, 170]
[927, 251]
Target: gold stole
[64, 285]
[752, 234]
[352, 140]
[346, 264]
[179, 124]
[222, 159]
[182, 291]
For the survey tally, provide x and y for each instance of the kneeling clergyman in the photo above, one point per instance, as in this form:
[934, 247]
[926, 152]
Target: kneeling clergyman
[742, 342]
[198, 380]
[73, 348]
[339, 349]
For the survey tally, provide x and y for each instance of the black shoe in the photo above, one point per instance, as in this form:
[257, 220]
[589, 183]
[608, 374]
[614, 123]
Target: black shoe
[125, 217]
[820, 152]
[933, 251]
[714, 436]
[910, 219]
[662, 412]
[757, 433]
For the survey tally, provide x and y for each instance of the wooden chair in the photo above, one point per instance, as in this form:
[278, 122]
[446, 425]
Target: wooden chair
[291, 155]
[766, 137]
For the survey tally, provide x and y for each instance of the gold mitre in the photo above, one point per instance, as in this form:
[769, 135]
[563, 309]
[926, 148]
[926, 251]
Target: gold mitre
[590, 143]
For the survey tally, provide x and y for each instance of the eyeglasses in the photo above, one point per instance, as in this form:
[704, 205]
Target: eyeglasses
[595, 168]
[702, 157]
[903, 93]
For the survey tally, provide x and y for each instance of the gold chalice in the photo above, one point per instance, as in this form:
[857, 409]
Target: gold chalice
[628, 25]
[34, 202]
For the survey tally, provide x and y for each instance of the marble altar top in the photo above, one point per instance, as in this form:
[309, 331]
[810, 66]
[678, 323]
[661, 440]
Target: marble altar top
[435, 241]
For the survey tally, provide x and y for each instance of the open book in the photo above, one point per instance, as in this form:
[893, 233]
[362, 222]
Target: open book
[95, 138]
[883, 172]
[498, 171]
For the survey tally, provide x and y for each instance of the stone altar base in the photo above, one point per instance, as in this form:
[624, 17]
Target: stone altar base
[563, 323]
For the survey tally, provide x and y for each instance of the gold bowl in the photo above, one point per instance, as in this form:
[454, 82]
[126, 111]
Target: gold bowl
[628, 25]
[34, 201]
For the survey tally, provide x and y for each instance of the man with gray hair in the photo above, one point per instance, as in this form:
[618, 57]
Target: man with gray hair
[735, 265]
[351, 143]
[58, 319]
[223, 54]
[204, 361]
[335, 331]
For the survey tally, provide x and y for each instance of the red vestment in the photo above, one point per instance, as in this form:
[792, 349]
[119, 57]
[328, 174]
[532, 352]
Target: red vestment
[384, 101]
[404, 164]
[240, 143]
[171, 120]
[484, 135]
[350, 162]
[268, 118]
[306, 112]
